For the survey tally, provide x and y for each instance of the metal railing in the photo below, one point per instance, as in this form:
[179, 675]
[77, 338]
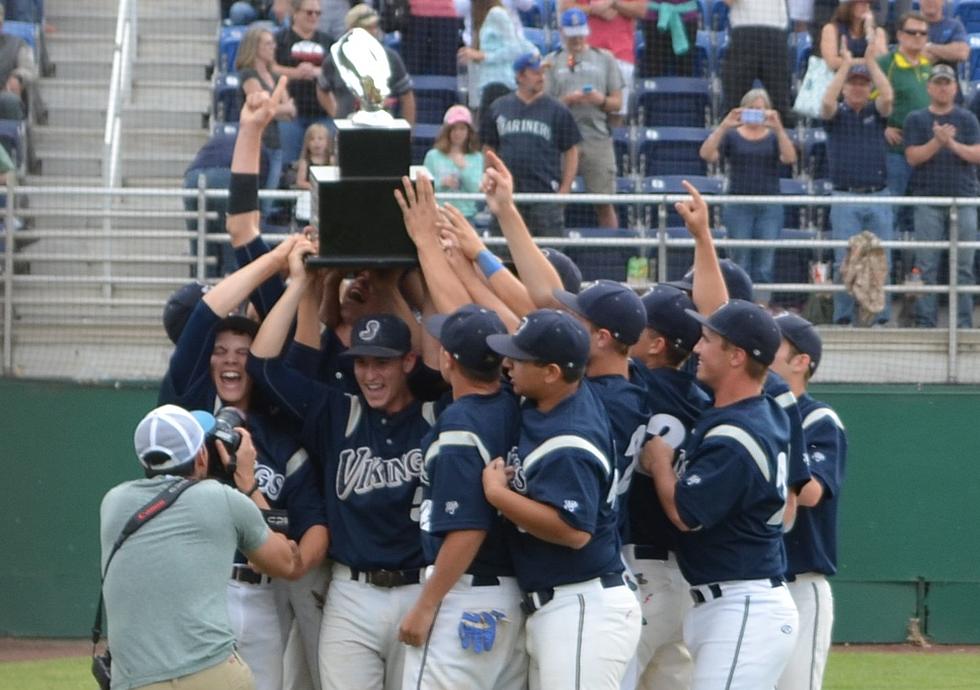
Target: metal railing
[41, 293]
[120, 89]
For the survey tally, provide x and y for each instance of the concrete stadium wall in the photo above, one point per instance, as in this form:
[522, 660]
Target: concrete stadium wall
[910, 505]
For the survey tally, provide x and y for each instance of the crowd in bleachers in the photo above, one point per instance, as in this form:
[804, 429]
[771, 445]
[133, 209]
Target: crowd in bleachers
[695, 61]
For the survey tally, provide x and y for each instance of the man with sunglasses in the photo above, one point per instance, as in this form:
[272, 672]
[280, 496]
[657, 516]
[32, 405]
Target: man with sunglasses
[907, 69]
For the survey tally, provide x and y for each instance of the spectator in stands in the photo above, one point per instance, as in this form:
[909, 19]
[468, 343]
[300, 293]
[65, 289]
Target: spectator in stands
[907, 69]
[495, 46]
[431, 37]
[12, 99]
[757, 50]
[334, 95]
[612, 27]
[856, 149]
[669, 50]
[537, 138]
[255, 62]
[464, 8]
[947, 36]
[317, 150]
[588, 81]
[753, 143]
[300, 52]
[455, 160]
[943, 148]
[855, 22]
[16, 57]
[332, 18]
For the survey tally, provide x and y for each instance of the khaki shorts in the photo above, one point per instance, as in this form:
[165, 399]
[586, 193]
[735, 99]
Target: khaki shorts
[230, 674]
[597, 165]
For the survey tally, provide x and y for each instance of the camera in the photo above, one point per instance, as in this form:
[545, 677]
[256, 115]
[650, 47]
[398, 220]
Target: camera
[753, 116]
[225, 421]
[102, 669]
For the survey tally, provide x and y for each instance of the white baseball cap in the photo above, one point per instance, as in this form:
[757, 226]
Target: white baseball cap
[170, 437]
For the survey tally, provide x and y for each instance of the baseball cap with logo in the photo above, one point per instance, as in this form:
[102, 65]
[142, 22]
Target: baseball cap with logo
[574, 22]
[179, 307]
[456, 114]
[737, 281]
[169, 437]
[360, 16]
[802, 335]
[527, 61]
[942, 71]
[745, 325]
[379, 335]
[858, 72]
[610, 305]
[463, 334]
[568, 271]
[545, 335]
[666, 308]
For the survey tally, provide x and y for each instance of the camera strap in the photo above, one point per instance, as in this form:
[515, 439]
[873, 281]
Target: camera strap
[156, 505]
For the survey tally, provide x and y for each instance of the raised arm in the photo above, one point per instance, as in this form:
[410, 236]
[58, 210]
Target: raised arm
[709, 290]
[235, 288]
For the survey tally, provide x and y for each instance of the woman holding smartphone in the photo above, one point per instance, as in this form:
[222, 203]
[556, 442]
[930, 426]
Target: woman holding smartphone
[753, 143]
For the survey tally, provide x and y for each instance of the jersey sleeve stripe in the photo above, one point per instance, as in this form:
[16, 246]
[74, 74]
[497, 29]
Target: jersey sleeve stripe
[785, 400]
[567, 441]
[296, 461]
[822, 413]
[457, 438]
[750, 444]
[354, 418]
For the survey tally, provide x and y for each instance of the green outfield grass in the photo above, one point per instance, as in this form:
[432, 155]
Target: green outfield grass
[847, 670]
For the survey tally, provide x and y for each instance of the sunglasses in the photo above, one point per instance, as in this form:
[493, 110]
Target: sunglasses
[915, 33]
[312, 13]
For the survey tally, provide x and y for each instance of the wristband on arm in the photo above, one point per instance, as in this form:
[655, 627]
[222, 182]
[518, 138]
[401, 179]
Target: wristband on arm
[488, 262]
[243, 193]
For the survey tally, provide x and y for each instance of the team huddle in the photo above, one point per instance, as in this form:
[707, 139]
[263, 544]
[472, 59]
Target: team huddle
[502, 481]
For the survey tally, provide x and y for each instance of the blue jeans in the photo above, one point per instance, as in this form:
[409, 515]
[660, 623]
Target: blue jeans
[847, 220]
[274, 159]
[754, 222]
[291, 133]
[932, 225]
[898, 173]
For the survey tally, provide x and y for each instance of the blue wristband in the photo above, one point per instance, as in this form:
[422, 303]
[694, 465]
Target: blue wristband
[488, 262]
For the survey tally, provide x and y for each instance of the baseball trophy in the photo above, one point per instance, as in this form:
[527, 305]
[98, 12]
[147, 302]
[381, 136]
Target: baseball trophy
[352, 203]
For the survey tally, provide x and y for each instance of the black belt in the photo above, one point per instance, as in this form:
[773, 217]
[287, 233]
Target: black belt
[245, 574]
[483, 580]
[543, 596]
[715, 590]
[859, 190]
[649, 553]
[387, 578]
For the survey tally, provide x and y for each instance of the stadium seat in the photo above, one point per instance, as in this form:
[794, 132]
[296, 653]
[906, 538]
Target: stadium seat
[671, 151]
[24, 30]
[680, 260]
[13, 137]
[793, 216]
[622, 149]
[800, 48]
[792, 265]
[673, 102]
[973, 64]
[227, 94]
[672, 184]
[229, 128]
[423, 137]
[813, 148]
[228, 41]
[718, 16]
[583, 215]
[601, 262]
[433, 97]
[538, 15]
[546, 40]
[703, 58]
[968, 12]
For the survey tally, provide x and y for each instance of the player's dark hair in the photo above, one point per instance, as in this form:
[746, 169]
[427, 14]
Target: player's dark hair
[675, 355]
[795, 352]
[480, 376]
[156, 458]
[572, 374]
[915, 16]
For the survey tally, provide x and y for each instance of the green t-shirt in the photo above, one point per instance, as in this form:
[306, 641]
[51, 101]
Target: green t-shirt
[165, 589]
[909, 84]
[449, 177]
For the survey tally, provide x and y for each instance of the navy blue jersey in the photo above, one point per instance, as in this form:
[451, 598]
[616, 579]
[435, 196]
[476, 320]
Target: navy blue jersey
[468, 434]
[566, 460]
[732, 493]
[676, 402]
[370, 464]
[187, 382]
[811, 546]
[776, 388]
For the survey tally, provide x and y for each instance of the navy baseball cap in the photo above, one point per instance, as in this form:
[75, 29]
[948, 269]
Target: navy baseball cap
[545, 335]
[179, 307]
[527, 61]
[666, 308]
[802, 335]
[568, 271]
[745, 325]
[574, 22]
[463, 334]
[169, 437]
[379, 335]
[737, 281]
[609, 305]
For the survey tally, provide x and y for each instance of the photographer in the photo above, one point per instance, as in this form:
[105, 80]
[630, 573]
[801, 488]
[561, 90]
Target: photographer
[164, 591]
